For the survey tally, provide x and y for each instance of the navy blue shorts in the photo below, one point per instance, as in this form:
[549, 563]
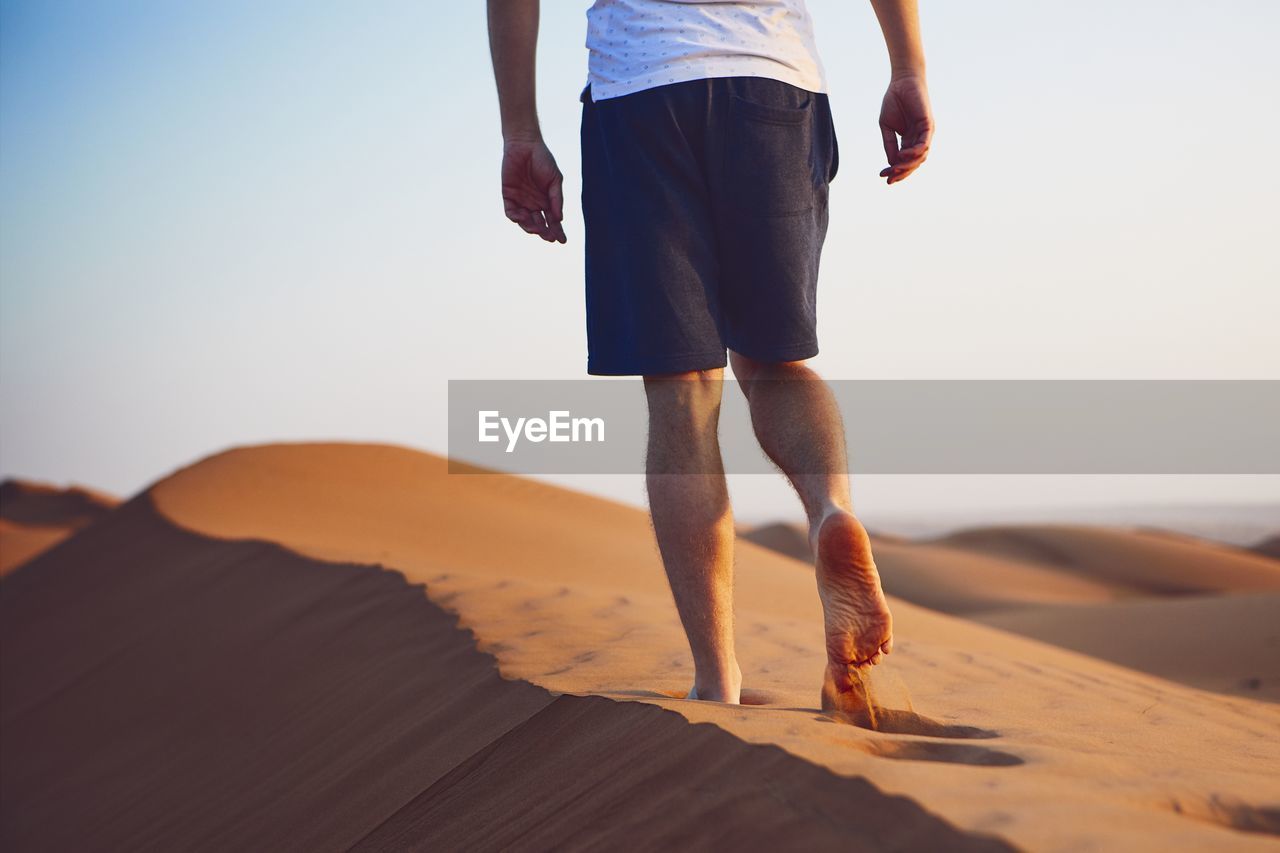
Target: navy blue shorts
[705, 205]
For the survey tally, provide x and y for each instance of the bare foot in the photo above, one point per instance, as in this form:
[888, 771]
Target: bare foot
[727, 689]
[856, 616]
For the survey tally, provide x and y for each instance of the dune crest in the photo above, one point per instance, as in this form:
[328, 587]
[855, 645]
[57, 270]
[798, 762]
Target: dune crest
[36, 516]
[167, 690]
[1040, 747]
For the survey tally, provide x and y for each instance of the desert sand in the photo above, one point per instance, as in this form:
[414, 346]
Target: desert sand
[36, 516]
[328, 646]
[1144, 599]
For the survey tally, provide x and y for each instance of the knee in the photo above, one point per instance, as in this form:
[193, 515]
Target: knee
[690, 400]
[747, 369]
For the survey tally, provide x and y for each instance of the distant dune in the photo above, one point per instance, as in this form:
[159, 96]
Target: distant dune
[1227, 643]
[1186, 609]
[36, 516]
[951, 579]
[328, 646]
[1140, 561]
[1269, 547]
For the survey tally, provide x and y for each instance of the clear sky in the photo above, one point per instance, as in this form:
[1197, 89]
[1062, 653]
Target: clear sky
[249, 221]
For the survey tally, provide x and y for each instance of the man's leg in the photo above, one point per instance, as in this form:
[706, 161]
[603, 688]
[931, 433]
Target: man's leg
[798, 424]
[689, 502]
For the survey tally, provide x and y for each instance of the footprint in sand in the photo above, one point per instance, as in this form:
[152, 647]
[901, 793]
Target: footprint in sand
[750, 696]
[891, 721]
[898, 722]
[949, 753]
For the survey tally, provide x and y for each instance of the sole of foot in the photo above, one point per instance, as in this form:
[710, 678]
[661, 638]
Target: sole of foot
[859, 627]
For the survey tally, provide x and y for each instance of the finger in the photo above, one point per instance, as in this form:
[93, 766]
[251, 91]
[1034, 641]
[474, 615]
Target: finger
[901, 171]
[897, 173]
[901, 174]
[519, 217]
[531, 222]
[887, 646]
[549, 230]
[518, 210]
[899, 177]
[525, 198]
[542, 226]
[923, 135]
[890, 144]
[913, 156]
[556, 193]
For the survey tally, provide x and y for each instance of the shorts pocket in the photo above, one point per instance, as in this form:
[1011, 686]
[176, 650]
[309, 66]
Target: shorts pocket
[770, 114]
[769, 159]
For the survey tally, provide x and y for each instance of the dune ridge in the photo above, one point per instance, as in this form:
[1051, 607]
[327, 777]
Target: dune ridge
[994, 735]
[1144, 561]
[164, 690]
[36, 516]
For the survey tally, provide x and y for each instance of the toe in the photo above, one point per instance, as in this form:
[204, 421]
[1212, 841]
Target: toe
[887, 646]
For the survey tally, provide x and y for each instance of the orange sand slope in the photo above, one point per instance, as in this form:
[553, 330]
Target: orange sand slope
[188, 673]
[1047, 564]
[951, 579]
[1183, 609]
[1226, 643]
[1193, 611]
[1134, 561]
[34, 517]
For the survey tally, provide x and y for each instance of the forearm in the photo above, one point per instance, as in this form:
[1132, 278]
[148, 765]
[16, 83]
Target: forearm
[513, 43]
[900, 23]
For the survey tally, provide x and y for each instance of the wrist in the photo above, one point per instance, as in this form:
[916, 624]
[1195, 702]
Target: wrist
[907, 71]
[522, 135]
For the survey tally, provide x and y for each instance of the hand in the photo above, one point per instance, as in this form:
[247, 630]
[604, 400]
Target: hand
[533, 189]
[905, 113]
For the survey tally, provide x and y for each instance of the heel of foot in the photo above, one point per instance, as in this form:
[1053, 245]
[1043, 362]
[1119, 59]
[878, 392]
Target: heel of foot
[858, 625]
[843, 542]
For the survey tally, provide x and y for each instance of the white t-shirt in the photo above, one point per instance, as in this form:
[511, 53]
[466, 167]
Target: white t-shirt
[639, 44]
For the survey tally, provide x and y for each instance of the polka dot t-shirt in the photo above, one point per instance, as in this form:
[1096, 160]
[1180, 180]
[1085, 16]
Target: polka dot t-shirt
[639, 44]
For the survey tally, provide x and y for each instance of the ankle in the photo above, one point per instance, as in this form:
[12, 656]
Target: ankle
[825, 514]
[722, 684]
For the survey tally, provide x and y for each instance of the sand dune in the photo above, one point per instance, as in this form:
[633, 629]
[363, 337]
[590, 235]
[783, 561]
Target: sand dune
[228, 661]
[952, 579]
[1226, 643]
[27, 502]
[1269, 547]
[994, 567]
[21, 542]
[164, 690]
[1133, 597]
[36, 516]
[1144, 561]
